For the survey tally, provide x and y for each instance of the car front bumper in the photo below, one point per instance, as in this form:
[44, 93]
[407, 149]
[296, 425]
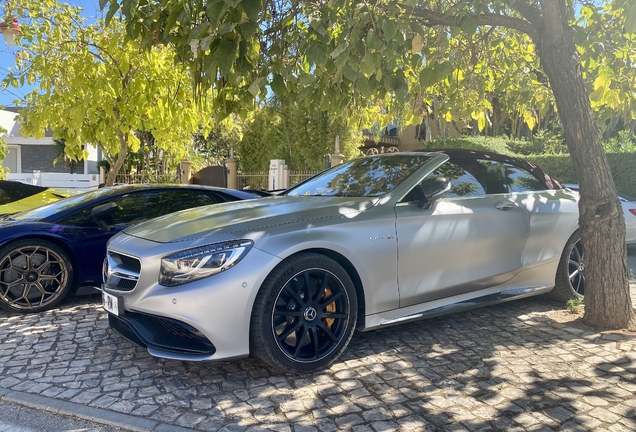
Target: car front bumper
[207, 319]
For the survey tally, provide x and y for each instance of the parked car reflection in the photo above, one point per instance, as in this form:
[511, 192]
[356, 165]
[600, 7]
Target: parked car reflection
[16, 197]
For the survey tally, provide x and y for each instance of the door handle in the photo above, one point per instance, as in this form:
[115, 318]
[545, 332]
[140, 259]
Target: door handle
[504, 206]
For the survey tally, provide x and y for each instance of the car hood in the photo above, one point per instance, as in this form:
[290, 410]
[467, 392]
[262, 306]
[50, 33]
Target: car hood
[241, 216]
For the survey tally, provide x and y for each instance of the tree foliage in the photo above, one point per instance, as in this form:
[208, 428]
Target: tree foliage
[302, 136]
[94, 87]
[457, 57]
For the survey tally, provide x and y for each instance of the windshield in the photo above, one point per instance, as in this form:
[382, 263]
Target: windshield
[370, 176]
[47, 210]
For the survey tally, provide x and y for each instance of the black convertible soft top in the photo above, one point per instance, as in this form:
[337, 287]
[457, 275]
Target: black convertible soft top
[550, 183]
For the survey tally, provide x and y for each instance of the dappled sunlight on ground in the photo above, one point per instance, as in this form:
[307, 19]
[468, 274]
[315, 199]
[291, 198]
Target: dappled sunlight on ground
[517, 365]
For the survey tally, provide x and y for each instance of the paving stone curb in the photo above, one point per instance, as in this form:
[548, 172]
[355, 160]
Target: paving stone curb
[95, 415]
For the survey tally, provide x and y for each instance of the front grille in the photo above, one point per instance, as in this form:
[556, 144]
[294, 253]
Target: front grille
[121, 272]
[161, 333]
[126, 285]
[130, 263]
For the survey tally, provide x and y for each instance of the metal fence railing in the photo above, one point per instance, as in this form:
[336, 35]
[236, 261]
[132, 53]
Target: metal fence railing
[296, 177]
[254, 180]
[147, 178]
[260, 180]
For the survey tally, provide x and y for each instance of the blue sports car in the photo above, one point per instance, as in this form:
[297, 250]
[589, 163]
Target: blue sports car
[57, 249]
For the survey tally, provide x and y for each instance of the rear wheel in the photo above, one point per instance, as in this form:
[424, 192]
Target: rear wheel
[570, 278]
[35, 275]
[304, 314]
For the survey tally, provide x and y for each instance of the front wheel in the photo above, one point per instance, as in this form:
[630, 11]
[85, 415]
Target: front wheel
[570, 278]
[304, 315]
[35, 275]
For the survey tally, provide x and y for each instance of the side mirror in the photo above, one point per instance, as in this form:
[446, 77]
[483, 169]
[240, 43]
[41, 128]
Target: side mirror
[434, 189]
[100, 211]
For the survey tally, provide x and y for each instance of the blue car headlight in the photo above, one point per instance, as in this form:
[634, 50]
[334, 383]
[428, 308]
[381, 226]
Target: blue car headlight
[201, 262]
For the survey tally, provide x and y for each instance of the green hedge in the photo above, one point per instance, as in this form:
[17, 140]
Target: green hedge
[559, 167]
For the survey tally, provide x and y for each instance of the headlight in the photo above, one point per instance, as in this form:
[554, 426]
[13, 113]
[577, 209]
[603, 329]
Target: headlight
[201, 262]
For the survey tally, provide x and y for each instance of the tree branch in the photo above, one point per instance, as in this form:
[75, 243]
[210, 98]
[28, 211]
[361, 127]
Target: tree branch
[432, 18]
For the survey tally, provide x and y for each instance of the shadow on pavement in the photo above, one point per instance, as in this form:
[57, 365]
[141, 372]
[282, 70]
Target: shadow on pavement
[501, 367]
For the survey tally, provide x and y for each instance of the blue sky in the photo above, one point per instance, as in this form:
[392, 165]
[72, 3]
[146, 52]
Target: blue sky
[91, 10]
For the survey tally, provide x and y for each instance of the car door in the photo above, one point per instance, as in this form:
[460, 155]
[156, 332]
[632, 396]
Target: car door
[472, 239]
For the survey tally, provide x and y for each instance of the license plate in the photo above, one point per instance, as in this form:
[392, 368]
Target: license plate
[112, 304]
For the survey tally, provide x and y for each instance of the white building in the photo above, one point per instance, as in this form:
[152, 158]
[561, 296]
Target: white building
[27, 154]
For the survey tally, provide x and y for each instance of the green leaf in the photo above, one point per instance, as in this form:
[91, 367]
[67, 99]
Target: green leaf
[597, 95]
[304, 93]
[389, 28]
[224, 55]
[252, 8]
[367, 65]
[340, 49]
[316, 54]
[362, 84]
[445, 68]
[247, 29]
[469, 24]
[278, 85]
[214, 10]
[350, 73]
[114, 7]
[373, 41]
[393, 82]
[200, 30]
[205, 43]
[226, 28]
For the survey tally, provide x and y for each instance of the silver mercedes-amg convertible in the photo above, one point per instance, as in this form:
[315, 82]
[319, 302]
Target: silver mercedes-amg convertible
[375, 241]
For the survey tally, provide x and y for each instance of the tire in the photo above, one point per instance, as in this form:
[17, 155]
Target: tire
[294, 326]
[35, 275]
[570, 277]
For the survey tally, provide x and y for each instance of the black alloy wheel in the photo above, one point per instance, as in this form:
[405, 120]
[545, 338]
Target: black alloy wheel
[570, 280]
[303, 321]
[35, 275]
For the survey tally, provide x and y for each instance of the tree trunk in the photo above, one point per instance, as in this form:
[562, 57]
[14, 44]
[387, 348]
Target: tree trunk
[607, 298]
[438, 122]
[114, 169]
[496, 116]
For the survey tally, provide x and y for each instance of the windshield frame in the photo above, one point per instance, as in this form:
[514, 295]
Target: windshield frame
[378, 184]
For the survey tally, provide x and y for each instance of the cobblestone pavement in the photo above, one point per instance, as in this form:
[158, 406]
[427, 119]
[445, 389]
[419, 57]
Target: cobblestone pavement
[507, 367]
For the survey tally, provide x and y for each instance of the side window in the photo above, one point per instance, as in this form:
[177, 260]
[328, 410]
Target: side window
[175, 200]
[131, 208]
[461, 174]
[521, 180]
[134, 207]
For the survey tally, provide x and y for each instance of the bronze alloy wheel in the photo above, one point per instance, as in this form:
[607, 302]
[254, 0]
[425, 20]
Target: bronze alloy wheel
[34, 276]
